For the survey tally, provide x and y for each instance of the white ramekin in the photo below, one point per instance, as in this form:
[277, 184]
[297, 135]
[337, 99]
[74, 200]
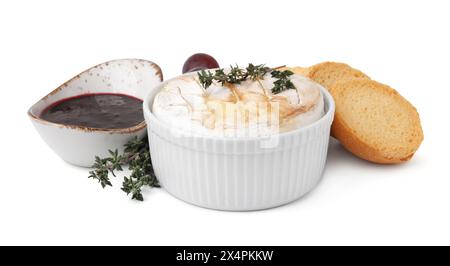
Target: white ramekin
[237, 174]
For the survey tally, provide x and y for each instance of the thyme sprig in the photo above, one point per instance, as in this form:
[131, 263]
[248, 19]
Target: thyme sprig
[137, 156]
[283, 82]
[255, 72]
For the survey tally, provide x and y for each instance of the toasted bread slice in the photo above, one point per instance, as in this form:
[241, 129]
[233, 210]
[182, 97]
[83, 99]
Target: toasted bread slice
[373, 121]
[329, 73]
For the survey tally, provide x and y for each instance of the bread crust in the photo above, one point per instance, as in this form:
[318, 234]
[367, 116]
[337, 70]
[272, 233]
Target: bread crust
[355, 144]
[321, 73]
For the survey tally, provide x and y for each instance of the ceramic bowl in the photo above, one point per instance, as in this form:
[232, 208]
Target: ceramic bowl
[238, 174]
[79, 145]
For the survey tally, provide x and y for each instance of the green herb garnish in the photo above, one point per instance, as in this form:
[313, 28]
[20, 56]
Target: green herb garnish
[137, 156]
[236, 75]
[283, 82]
[206, 78]
[255, 72]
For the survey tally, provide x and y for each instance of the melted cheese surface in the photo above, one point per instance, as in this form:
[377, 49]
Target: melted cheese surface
[248, 109]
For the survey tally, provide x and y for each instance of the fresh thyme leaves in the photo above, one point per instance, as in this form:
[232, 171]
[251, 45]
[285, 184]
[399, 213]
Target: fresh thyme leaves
[101, 172]
[220, 76]
[236, 75]
[141, 170]
[104, 166]
[255, 72]
[282, 83]
[137, 156]
[206, 78]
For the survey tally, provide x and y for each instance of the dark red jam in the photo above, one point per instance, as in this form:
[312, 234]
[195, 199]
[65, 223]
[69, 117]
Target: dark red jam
[103, 110]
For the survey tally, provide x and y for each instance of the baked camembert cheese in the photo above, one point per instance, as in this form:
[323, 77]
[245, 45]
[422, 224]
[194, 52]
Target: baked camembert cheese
[247, 109]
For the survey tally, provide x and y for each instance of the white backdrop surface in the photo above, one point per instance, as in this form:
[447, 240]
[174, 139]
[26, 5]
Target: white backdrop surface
[405, 44]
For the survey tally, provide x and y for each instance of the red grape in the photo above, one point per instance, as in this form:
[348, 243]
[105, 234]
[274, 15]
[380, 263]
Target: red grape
[198, 62]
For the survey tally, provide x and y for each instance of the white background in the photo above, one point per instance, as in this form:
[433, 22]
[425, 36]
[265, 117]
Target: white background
[405, 44]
